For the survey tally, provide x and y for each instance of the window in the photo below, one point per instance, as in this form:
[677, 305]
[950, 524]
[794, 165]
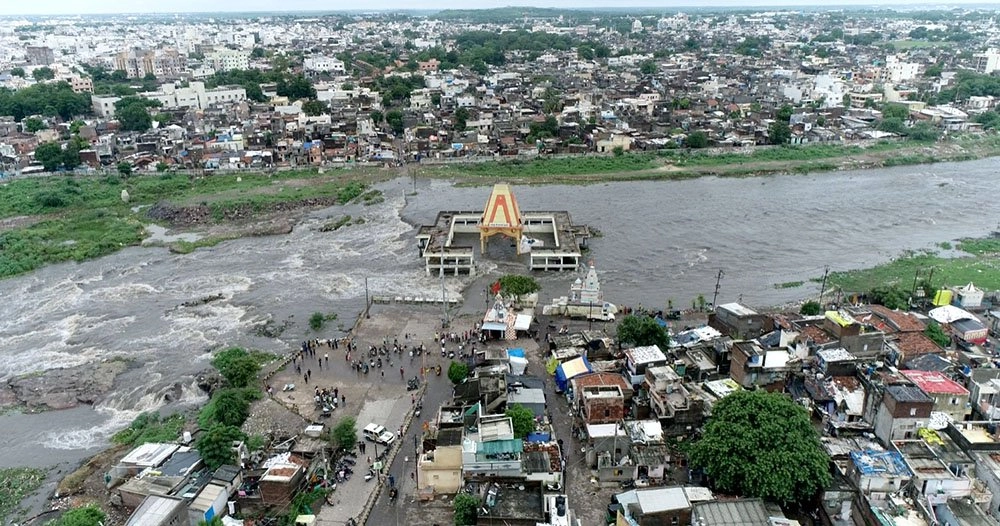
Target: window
[607, 412]
[954, 400]
[913, 411]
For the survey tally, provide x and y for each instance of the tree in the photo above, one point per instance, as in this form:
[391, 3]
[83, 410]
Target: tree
[33, 124]
[50, 154]
[295, 87]
[18, 72]
[134, 117]
[461, 116]
[517, 285]
[618, 151]
[216, 445]
[810, 308]
[784, 113]
[937, 334]
[923, 131]
[89, 515]
[779, 132]
[697, 139]
[522, 419]
[760, 444]
[71, 155]
[216, 521]
[395, 120]
[648, 67]
[376, 117]
[480, 68]
[162, 166]
[895, 111]
[892, 125]
[641, 331]
[345, 434]
[458, 372]
[124, 168]
[229, 407]
[466, 509]
[892, 297]
[237, 367]
[313, 107]
[43, 73]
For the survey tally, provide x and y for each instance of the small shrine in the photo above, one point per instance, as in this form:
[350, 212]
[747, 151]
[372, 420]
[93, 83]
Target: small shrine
[587, 289]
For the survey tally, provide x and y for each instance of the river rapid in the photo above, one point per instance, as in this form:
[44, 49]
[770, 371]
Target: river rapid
[661, 240]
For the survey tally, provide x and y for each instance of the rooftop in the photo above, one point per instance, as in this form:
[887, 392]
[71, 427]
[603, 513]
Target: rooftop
[907, 393]
[155, 510]
[877, 463]
[738, 309]
[933, 382]
[743, 512]
[661, 499]
[648, 354]
[519, 500]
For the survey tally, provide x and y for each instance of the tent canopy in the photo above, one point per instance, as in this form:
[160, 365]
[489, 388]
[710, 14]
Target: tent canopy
[515, 352]
[494, 326]
[949, 314]
[571, 369]
[523, 322]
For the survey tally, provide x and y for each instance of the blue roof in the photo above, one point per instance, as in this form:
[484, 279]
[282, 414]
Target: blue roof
[871, 462]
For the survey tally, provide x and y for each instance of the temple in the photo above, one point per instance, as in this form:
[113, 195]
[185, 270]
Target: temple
[545, 240]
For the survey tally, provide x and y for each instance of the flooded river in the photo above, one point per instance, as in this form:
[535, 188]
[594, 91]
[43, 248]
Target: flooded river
[661, 240]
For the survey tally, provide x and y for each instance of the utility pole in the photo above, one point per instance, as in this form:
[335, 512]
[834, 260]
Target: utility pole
[822, 288]
[718, 281]
[367, 315]
[444, 297]
[590, 317]
[916, 274]
[416, 462]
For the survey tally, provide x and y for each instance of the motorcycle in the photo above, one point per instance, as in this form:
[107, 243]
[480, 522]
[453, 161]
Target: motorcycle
[418, 408]
[370, 475]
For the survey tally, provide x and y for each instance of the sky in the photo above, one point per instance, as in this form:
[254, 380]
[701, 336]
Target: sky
[52, 7]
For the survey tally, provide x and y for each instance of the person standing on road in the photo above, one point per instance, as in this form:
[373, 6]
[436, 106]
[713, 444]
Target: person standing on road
[401, 374]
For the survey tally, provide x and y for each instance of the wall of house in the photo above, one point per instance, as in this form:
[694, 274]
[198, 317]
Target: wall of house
[603, 410]
[985, 473]
[445, 473]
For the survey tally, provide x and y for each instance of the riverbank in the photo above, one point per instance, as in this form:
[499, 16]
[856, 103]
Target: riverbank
[675, 164]
[970, 260]
[46, 220]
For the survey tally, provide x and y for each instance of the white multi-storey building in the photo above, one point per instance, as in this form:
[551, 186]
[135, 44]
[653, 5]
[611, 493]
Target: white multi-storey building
[227, 59]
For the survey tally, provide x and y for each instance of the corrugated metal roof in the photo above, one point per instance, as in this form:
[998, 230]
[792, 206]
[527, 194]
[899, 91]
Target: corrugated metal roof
[746, 512]
[514, 445]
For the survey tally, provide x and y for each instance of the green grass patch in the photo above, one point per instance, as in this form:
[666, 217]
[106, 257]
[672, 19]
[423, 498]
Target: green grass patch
[789, 284]
[86, 235]
[982, 270]
[918, 44]
[945, 245]
[15, 485]
[546, 166]
[150, 427]
[981, 246]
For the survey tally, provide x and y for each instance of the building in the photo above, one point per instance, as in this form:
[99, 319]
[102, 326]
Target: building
[104, 107]
[948, 395]
[228, 59]
[668, 506]
[81, 84]
[987, 62]
[196, 95]
[603, 404]
[739, 321]
[904, 409]
[323, 64]
[878, 473]
[742, 512]
[210, 502]
[752, 365]
[549, 240]
[158, 510]
[638, 359]
[40, 55]
[137, 63]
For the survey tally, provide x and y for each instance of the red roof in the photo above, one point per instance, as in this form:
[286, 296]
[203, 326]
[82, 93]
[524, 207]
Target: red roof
[901, 321]
[934, 382]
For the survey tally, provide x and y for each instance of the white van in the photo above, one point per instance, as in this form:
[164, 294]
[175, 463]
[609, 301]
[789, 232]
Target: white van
[376, 433]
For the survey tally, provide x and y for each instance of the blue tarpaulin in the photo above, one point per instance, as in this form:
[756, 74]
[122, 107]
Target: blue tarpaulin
[516, 352]
[571, 369]
[538, 437]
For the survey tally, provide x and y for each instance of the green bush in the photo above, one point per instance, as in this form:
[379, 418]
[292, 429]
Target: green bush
[150, 428]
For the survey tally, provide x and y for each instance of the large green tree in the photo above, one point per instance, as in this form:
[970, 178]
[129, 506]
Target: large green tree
[641, 331]
[237, 366]
[229, 407]
[466, 509]
[522, 419]
[458, 372]
[50, 154]
[216, 445]
[345, 434]
[779, 132]
[517, 285]
[760, 444]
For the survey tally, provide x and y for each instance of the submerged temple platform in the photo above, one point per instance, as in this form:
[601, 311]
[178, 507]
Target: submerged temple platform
[545, 240]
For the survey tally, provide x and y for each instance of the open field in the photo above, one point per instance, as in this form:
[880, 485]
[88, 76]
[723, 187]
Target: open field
[57, 218]
[981, 266]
